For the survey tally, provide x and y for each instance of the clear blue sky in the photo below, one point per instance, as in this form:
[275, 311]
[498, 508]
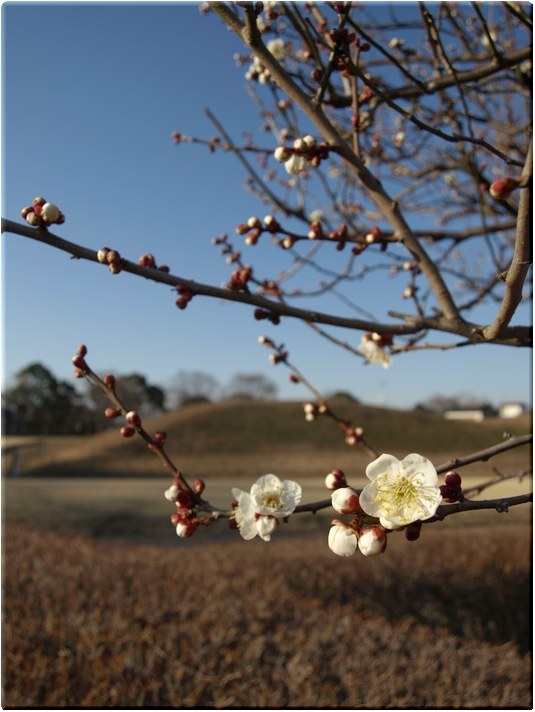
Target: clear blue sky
[91, 94]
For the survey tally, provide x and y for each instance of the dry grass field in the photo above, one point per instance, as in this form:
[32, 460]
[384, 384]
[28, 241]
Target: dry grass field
[104, 607]
[440, 623]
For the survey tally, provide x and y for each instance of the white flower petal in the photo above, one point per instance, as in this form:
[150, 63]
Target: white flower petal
[266, 526]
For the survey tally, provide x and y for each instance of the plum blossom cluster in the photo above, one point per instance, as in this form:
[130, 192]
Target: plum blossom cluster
[256, 71]
[41, 214]
[373, 348]
[401, 495]
[306, 152]
[259, 511]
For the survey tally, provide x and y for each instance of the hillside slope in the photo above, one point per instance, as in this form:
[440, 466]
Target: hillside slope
[246, 437]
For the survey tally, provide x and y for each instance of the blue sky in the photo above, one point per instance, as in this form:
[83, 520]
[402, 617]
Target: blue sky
[91, 94]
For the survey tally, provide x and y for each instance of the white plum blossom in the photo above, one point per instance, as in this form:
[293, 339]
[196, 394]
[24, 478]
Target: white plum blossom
[374, 353]
[372, 541]
[276, 47]
[342, 539]
[244, 514]
[401, 491]
[273, 497]
[296, 164]
[259, 511]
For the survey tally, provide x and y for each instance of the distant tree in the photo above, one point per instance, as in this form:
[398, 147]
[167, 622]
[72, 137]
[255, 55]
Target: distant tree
[148, 400]
[251, 386]
[195, 387]
[42, 405]
[440, 404]
[343, 395]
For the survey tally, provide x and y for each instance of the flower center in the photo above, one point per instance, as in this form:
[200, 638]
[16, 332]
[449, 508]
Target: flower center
[274, 497]
[396, 492]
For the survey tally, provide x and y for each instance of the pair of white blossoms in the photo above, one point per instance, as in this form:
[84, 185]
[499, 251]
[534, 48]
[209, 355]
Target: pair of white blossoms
[400, 492]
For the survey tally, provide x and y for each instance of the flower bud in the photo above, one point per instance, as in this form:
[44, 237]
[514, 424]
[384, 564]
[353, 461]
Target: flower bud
[309, 141]
[345, 500]
[182, 303]
[38, 202]
[78, 373]
[164, 268]
[112, 413]
[453, 480]
[26, 211]
[160, 436]
[342, 539]
[101, 254]
[242, 228]
[412, 531]
[79, 362]
[502, 188]
[34, 220]
[171, 493]
[186, 527]
[147, 260]
[184, 499]
[127, 431]
[199, 486]
[282, 154]
[335, 480]
[81, 350]
[50, 213]
[372, 541]
[299, 144]
[113, 257]
[115, 268]
[133, 418]
[109, 380]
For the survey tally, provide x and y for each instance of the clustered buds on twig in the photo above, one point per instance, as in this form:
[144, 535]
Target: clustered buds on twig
[305, 152]
[186, 295]
[112, 258]
[260, 314]
[41, 214]
[354, 435]
[239, 279]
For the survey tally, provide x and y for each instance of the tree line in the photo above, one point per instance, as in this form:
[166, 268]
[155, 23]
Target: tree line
[38, 403]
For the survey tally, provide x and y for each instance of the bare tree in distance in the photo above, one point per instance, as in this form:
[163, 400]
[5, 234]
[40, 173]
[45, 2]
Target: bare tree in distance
[251, 386]
[395, 151]
[194, 387]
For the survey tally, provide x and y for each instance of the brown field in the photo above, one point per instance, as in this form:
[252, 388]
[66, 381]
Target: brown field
[443, 623]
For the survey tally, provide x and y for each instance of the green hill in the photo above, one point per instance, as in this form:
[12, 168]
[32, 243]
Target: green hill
[243, 437]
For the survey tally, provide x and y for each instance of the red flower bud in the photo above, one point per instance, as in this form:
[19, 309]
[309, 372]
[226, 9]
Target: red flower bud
[112, 412]
[502, 188]
[109, 380]
[81, 350]
[133, 418]
[453, 480]
[38, 202]
[79, 362]
[147, 260]
[113, 257]
[164, 268]
[127, 431]
[160, 436]
[412, 532]
[199, 486]
[115, 268]
[78, 373]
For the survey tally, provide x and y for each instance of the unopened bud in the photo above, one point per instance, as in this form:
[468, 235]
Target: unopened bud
[453, 480]
[160, 436]
[147, 260]
[112, 413]
[372, 541]
[101, 254]
[335, 480]
[345, 500]
[502, 188]
[113, 257]
[186, 527]
[38, 201]
[109, 380]
[115, 268]
[199, 486]
[282, 154]
[412, 532]
[309, 141]
[79, 362]
[127, 431]
[81, 350]
[34, 220]
[133, 418]
[50, 213]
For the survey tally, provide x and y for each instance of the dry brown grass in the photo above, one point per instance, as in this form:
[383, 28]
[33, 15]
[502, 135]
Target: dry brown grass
[440, 623]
